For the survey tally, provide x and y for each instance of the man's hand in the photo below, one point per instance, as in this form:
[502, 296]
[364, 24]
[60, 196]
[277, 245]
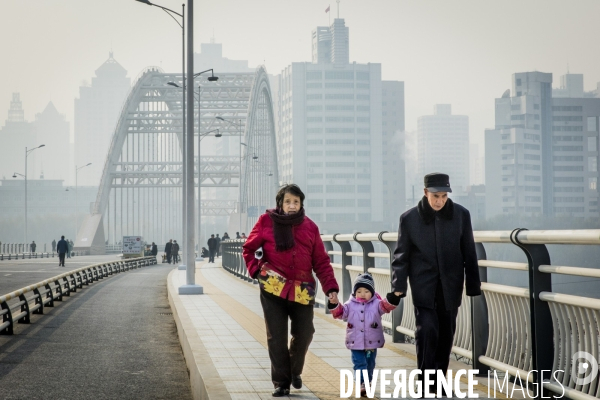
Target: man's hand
[333, 298]
[398, 293]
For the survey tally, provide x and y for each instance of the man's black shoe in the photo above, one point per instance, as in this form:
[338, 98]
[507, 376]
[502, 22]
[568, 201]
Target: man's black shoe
[280, 392]
[297, 381]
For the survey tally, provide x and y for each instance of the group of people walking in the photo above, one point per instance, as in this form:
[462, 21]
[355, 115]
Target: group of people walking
[172, 251]
[55, 248]
[214, 245]
[435, 253]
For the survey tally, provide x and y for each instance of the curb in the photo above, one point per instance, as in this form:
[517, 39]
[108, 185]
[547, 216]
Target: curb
[204, 379]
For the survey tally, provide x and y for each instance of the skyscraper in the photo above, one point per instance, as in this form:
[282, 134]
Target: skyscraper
[15, 135]
[393, 142]
[330, 132]
[53, 130]
[96, 114]
[443, 146]
[541, 158]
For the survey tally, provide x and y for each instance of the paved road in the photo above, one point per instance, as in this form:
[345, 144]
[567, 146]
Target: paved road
[15, 274]
[115, 339]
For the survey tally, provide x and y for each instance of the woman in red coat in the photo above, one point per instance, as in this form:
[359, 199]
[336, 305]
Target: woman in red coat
[291, 250]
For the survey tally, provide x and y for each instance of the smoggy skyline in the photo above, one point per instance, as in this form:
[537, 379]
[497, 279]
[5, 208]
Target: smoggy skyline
[461, 53]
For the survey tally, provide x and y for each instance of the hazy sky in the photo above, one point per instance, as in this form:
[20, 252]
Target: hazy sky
[461, 52]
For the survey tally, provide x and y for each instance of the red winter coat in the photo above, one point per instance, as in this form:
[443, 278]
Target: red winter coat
[295, 264]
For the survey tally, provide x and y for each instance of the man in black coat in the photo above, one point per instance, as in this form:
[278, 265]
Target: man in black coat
[212, 248]
[168, 247]
[154, 249]
[436, 252]
[218, 239]
[62, 248]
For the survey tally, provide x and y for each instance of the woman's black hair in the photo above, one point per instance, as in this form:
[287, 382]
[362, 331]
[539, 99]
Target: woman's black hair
[290, 188]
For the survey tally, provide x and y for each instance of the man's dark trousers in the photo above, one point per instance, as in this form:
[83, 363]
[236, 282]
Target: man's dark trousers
[435, 334]
[168, 257]
[286, 362]
[61, 259]
[211, 255]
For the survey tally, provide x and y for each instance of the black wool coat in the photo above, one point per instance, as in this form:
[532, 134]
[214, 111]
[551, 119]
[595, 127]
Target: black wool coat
[436, 246]
[212, 243]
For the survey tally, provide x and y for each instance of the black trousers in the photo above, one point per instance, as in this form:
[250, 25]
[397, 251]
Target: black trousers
[285, 361]
[61, 259]
[168, 257]
[211, 255]
[435, 334]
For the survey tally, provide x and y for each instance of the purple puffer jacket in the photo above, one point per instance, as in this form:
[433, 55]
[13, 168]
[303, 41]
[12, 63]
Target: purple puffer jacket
[364, 329]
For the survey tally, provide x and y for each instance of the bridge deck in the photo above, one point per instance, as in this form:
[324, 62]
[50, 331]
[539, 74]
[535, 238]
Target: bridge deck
[225, 345]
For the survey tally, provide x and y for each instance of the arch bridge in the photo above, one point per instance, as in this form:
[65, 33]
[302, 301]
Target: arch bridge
[140, 192]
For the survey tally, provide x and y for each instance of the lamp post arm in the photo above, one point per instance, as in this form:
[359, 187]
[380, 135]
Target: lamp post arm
[200, 73]
[171, 15]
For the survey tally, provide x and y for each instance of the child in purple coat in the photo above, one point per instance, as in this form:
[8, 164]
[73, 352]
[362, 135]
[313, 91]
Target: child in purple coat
[364, 332]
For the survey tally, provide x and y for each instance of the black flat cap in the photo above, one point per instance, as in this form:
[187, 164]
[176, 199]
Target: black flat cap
[437, 182]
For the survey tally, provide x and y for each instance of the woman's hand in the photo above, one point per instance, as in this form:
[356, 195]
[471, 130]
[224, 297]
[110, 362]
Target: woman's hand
[333, 298]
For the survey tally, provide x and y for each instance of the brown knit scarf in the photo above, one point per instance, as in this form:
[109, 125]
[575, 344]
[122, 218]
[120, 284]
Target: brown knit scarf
[282, 227]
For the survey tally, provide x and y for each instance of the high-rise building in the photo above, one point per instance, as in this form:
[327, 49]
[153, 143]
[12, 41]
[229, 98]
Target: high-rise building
[53, 130]
[97, 111]
[393, 142]
[443, 146]
[15, 135]
[330, 138]
[542, 157]
[211, 56]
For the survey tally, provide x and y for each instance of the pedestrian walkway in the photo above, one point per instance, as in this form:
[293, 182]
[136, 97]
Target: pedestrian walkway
[225, 345]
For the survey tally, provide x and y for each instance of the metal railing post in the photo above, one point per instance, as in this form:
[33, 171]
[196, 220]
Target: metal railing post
[397, 314]
[479, 319]
[367, 247]
[6, 318]
[24, 308]
[540, 317]
[346, 289]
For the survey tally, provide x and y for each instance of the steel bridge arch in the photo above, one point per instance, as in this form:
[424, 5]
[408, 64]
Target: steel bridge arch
[145, 157]
[260, 176]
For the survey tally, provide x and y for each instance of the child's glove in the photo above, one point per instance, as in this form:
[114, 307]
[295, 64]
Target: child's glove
[393, 299]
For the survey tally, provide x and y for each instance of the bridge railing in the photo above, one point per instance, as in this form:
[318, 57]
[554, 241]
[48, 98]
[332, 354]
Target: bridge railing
[46, 292]
[510, 329]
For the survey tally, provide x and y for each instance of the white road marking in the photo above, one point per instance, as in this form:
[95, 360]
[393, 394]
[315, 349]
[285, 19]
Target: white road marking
[8, 275]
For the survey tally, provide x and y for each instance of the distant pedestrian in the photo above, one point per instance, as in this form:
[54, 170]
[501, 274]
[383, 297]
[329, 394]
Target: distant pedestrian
[168, 247]
[154, 249]
[218, 246]
[175, 251]
[204, 252]
[225, 236]
[243, 236]
[62, 247]
[237, 235]
[70, 246]
[32, 246]
[212, 248]
[54, 246]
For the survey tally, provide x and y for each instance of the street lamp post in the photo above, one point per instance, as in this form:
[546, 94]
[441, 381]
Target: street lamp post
[25, 176]
[77, 200]
[211, 78]
[183, 109]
